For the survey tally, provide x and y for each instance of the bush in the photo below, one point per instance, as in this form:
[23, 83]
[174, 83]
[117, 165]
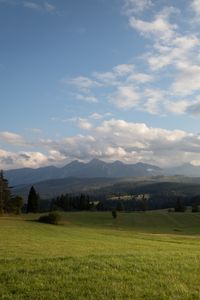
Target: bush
[114, 214]
[179, 207]
[52, 218]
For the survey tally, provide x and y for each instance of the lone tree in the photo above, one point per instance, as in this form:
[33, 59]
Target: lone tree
[4, 193]
[33, 201]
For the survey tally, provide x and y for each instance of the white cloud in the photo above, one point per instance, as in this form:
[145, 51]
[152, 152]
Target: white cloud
[154, 100]
[140, 78]
[86, 98]
[125, 97]
[120, 74]
[173, 57]
[106, 78]
[114, 77]
[136, 6]
[160, 27]
[96, 116]
[179, 49]
[178, 108]
[111, 140]
[123, 80]
[23, 159]
[83, 83]
[124, 69]
[84, 124]
[132, 142]
[12, 138]
[188, 79]
[177, 54]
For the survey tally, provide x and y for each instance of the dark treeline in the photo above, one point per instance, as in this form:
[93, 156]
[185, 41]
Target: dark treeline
[150, 198]
[81, 202]
[155, 202]
[72, 202]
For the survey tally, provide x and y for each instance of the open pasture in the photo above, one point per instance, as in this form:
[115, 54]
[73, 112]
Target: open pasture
[152, 255]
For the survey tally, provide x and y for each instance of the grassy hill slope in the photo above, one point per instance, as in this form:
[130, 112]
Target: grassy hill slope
[92, 256]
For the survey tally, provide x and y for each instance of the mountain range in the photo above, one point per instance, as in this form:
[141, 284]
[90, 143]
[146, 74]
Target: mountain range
[99, 176]
[93, 169]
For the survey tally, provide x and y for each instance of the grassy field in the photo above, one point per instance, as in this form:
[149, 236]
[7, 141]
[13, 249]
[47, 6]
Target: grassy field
[152, 255]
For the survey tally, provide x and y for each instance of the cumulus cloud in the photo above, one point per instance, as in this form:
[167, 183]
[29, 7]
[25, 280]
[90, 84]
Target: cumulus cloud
[121, 74]
[175, 52]
[154, 100]
[188, 79]
[11, 160]
[123, 82]
[174, 56]
[83, 83]
[125, 97]
[123, 69]
[178, 108]
[160, 27]
[133, 142]
[113, 139]
[106, 78]
[140, 78]
[84, 124]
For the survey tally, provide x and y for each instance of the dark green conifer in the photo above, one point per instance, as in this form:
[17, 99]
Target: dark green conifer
[33, 201]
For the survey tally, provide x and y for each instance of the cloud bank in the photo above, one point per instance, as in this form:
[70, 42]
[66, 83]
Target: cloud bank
[110, 140]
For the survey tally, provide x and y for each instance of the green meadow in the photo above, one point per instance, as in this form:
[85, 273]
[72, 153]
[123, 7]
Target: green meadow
[152, 255]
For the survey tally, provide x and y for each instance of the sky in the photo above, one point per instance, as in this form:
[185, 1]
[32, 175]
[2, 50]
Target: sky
[113, 80]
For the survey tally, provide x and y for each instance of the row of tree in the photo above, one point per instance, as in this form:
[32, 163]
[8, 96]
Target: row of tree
[70, 202]
[14, 204]
[81, 202]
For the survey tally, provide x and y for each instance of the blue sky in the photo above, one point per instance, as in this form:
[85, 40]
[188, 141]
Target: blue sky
[114, 80]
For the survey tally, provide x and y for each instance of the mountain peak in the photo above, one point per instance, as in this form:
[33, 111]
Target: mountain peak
[117, 163]
[95, 161]
[77, 169]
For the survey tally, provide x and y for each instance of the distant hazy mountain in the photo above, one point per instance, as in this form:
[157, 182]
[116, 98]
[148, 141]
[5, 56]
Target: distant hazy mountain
[185, 169]
[93, 169]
